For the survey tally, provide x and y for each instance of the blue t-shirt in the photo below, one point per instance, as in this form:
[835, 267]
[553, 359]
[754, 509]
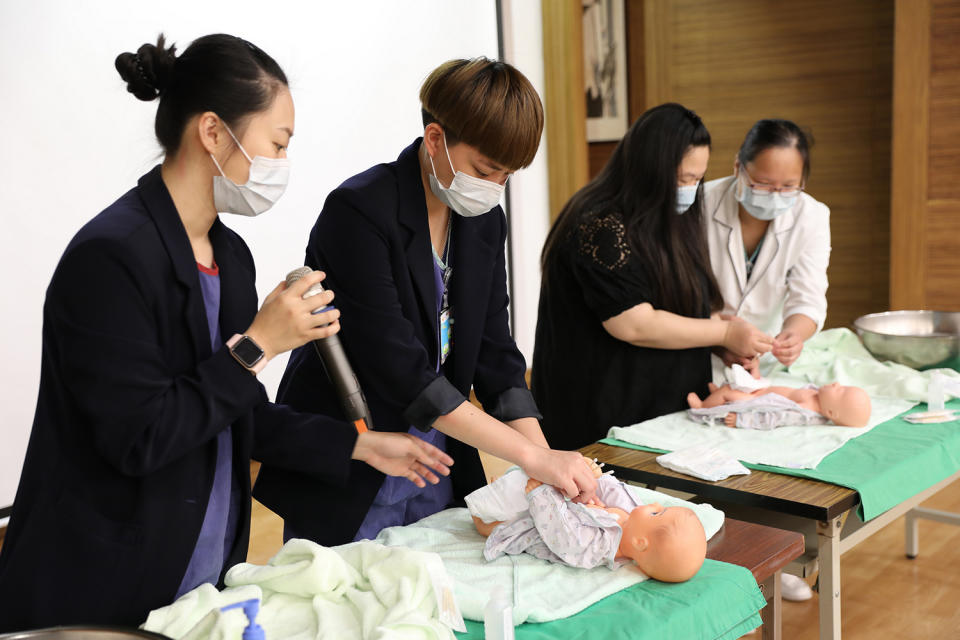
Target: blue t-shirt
[399, 501]
[219, 529]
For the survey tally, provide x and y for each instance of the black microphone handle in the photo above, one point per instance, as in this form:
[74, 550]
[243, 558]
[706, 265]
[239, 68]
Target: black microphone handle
[343, 378]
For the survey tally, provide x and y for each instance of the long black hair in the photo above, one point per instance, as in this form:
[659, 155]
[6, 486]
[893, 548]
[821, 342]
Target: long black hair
[640, 182]
[220, 73]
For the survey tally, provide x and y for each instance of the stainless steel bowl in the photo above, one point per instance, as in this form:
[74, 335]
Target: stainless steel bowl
[918, 339]
[81, 632]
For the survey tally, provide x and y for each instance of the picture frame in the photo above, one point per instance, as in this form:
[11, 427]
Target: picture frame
[605, 69]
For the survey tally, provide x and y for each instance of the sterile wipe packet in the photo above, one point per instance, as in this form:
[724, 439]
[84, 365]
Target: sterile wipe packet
[703, 461]
[931, 417]
[740, 379]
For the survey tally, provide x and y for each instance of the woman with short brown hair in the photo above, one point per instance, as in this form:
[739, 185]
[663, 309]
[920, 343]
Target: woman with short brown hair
[414, 250]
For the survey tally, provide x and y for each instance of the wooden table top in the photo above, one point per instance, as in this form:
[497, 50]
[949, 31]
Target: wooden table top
[773, 491]
[761, 549]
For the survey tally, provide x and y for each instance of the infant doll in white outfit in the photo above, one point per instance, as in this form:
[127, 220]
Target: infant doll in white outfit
[520, 515]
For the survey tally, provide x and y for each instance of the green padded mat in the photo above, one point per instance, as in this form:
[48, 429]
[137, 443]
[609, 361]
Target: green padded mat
[891, 463]
[721, 602]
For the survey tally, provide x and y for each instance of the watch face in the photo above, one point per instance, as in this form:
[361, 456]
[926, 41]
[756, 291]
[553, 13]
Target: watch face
[247, 351]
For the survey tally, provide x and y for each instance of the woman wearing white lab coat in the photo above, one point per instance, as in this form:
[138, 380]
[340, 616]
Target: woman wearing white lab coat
[769, 245]
[769, 242]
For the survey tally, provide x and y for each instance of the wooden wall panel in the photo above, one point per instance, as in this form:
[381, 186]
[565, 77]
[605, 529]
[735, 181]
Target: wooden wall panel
[827, 65]
[944, 181]
[908, 180]
[925, 215]
[564, 104]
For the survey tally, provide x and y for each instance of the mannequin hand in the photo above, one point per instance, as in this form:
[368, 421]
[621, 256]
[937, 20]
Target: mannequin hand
[595, 468]
[285, 321]
[402, 455]
[787, 347]
[744, 339]
[565, 470]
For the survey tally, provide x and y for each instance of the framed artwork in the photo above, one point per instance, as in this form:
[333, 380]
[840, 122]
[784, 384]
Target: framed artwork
[605, 69]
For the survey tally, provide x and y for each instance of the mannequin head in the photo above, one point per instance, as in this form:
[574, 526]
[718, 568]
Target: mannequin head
[845, 406]
[667, 544]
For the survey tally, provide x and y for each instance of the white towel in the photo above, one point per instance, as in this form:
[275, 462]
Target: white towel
[361, 590]
[541, 591]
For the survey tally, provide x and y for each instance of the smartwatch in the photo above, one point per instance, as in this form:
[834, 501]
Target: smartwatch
[247, 352]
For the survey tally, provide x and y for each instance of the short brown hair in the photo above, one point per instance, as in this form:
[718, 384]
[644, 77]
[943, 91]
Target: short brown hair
[486, 104]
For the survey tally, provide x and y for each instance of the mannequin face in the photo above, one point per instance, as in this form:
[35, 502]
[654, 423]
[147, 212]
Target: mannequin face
[846, 406]
[667, 544]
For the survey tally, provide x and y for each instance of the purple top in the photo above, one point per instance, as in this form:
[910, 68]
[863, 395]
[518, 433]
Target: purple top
[219, 529]
[399, 501]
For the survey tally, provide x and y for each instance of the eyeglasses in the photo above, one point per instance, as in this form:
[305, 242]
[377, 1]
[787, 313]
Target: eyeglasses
[766, 189]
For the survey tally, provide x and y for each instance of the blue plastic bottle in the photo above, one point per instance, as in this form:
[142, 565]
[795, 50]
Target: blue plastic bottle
[250, 608]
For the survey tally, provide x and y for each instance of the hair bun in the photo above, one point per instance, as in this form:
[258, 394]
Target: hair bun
[148, 71]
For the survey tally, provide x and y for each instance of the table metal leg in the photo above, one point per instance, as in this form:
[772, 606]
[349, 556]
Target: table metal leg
[828, 536]
[913, 530]
[770, 614]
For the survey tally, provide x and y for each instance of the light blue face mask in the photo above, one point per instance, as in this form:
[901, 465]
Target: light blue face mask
[686, 196]
[763, 206]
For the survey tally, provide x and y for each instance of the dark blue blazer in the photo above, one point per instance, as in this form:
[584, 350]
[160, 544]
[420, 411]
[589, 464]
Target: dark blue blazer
[121, 457]
[373, 240]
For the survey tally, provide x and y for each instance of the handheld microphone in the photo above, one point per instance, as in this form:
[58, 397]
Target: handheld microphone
[336, 365]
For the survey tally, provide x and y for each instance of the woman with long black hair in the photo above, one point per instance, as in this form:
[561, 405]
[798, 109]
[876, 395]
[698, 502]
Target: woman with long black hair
[629, 306]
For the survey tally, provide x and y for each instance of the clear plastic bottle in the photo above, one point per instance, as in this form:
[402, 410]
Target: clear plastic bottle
[498, 616]
[935, 392]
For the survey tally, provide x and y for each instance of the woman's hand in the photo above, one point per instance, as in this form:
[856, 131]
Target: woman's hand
[285, 321]
[568, 471]
[402, 455]
[751, 365]
[744, 339]
[787, 347]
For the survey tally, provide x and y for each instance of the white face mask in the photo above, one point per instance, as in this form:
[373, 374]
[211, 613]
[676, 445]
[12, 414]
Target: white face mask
[467, 195]
[686, 197]
[266, 183]
[763, 206]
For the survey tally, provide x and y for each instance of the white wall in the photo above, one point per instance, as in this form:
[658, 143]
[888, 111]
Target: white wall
[529, 198]
[74, 140]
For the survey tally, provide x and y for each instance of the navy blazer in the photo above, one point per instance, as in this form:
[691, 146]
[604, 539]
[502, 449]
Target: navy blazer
[373, 240]
[122, 454]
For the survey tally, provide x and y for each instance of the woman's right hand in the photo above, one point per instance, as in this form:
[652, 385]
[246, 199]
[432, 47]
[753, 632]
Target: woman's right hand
[744, 339]
[403, 455]
[285, 321]
[729, 358]
[568, 471]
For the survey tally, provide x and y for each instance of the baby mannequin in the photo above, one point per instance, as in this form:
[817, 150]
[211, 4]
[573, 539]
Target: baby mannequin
[666, 544]
[844, 406]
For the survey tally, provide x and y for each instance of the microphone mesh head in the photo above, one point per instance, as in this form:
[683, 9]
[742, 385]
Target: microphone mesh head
[300, 272]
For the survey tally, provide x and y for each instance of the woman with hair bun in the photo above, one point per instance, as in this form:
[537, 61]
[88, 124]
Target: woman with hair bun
[136, 484]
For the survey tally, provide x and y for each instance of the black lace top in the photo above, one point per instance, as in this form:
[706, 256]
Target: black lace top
[585, 380]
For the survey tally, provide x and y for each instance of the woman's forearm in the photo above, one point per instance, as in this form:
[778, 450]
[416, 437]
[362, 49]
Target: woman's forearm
[644, 326]
[800, 325]
[471, 425]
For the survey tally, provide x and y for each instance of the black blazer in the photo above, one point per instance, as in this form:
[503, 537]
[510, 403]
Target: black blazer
[373, 240]
[121, 457]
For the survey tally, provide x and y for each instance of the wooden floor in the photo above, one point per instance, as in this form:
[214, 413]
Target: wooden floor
[885, 595]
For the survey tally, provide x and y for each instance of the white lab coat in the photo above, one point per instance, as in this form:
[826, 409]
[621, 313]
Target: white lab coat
[790, 273]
